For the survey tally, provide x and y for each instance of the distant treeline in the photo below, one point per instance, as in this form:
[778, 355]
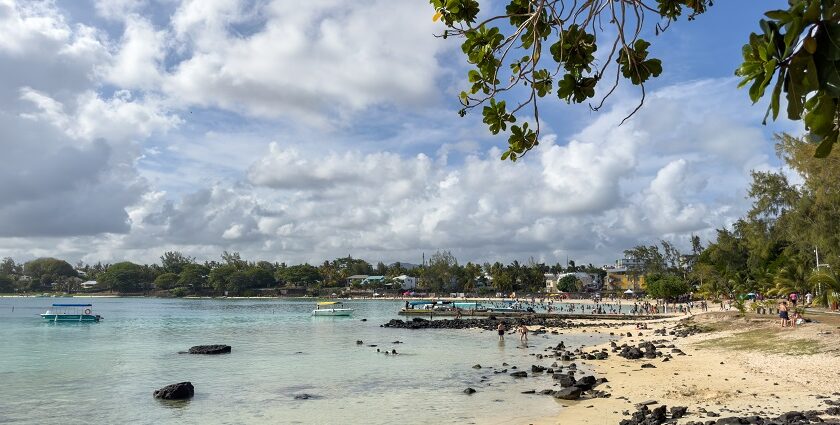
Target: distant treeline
[181, 275]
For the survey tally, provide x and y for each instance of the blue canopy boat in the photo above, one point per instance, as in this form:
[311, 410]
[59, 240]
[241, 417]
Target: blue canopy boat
[71, 313]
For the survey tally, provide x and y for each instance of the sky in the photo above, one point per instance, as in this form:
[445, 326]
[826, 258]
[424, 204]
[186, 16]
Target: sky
[303, 131]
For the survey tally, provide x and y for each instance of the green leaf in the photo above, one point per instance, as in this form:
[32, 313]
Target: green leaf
[825, 146]
[780, 15]
[820, 117]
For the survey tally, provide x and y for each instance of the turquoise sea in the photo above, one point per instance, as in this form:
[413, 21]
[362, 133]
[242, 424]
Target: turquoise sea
[105, 373]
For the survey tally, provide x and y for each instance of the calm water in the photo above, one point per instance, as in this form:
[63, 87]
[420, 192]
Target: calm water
[106, 372]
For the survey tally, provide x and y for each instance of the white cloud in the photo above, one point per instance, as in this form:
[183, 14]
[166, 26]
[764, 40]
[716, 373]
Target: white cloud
[81, 108]
[117, 119]
[308, 60]
[138, 63]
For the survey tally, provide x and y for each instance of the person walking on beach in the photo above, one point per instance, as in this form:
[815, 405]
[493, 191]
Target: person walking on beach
[501, 329]
[783, 314]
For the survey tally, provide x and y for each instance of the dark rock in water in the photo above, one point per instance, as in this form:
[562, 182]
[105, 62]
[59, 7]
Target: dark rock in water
[647, 403]
[520, 374]
[678, 411]
[537, 369]
[306, 396]
[469, 391]
[547, 392]
[833, 411]
[648, 366]
[397, 342]
[359, 342]
[179, 391]
[364, 320]
[210, 349]
[476, 366]
[571, 393]
[529, 392]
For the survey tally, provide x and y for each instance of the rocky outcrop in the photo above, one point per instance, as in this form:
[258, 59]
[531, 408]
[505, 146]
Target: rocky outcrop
[179, 391]
[210, 349]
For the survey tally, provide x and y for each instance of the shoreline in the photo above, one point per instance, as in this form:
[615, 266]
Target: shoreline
[721, 374]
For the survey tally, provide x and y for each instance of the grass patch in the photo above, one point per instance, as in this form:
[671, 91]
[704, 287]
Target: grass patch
[764, 340]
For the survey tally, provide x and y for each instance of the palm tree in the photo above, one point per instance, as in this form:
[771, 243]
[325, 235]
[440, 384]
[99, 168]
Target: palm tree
[790, 278]
[827, 286]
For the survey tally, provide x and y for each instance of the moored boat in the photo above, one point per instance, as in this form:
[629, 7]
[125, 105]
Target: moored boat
[71, 313]
[331, 308]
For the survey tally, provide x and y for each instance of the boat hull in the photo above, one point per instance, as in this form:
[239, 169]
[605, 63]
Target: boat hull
[332, 312]
[70, 318]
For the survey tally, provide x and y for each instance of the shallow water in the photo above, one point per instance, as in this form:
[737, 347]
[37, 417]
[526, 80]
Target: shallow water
[105, 372]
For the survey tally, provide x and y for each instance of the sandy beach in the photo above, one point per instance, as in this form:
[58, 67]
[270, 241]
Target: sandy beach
[738, 367]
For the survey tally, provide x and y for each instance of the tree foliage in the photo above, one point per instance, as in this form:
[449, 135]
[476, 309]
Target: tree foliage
[125, 277]
[7, 284]
[174, 261]
[569, 283]
[540, 47]
[772, 248]
[50, 267]
[442, 272]
[799, 47]
[666, 286]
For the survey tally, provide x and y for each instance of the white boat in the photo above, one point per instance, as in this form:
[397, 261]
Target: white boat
[331, 308]
[71, 313]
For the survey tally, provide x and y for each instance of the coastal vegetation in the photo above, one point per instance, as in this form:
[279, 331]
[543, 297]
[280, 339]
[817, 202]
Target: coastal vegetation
[787, 241]
[178, 275]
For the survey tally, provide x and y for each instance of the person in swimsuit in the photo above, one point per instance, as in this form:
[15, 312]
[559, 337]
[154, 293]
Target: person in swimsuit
[783, 314]
[523, 333]
[501, 329]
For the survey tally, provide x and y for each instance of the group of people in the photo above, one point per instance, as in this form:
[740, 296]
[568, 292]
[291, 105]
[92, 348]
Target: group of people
[786, 318]
[521, 329]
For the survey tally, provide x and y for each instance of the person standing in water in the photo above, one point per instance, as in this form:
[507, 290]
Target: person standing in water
[501, 329]
[523, 333]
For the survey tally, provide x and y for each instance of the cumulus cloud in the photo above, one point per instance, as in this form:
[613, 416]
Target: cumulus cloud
[88, 113]
[309, 60]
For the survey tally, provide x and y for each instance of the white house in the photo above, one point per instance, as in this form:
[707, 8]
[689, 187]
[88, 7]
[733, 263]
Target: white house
[407, 282]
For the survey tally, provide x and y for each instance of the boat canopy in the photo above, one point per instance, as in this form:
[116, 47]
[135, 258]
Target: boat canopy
[328, 303]
[72, 305]
[421, 302]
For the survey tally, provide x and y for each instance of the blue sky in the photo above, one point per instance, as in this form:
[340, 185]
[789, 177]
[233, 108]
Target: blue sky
[301, 132]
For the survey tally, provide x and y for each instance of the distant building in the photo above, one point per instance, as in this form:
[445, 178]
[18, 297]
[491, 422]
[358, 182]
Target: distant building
[373, 280]
[629, 263]
[88, 285]
[406, 282]
[622, 279]
[356, 278]
[587, 280]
